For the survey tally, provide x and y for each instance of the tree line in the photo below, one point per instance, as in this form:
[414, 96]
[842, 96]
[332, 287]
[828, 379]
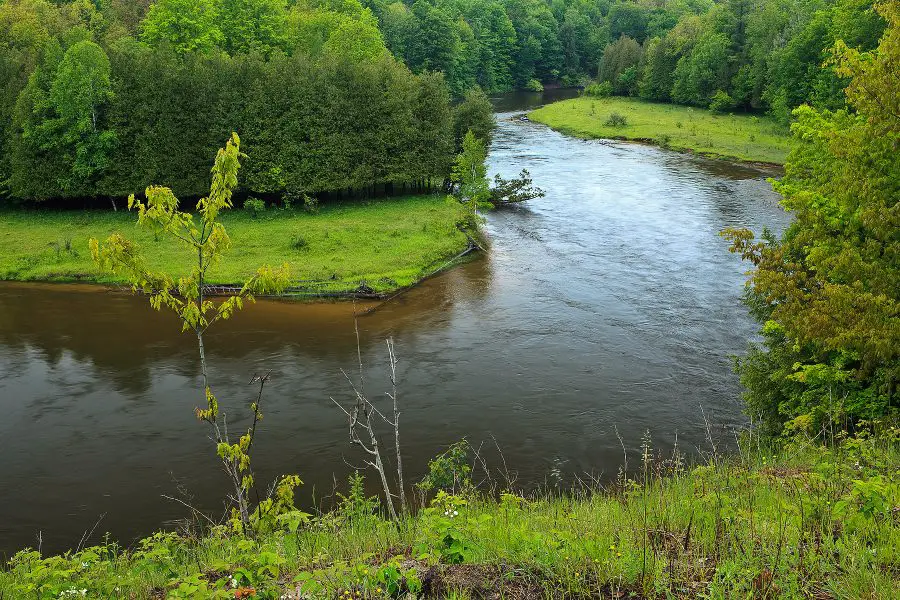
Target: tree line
[759, 55]
[103, 99]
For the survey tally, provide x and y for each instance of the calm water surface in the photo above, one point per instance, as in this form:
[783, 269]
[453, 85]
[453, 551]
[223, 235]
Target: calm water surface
[610, 303]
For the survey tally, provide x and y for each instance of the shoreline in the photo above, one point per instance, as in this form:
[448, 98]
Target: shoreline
[762, 165]
[299, 293]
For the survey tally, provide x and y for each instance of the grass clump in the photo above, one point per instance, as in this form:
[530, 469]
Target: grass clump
[735, 137]
[808, 521]
[387, 244]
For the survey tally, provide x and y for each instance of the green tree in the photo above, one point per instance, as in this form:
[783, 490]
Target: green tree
[356, 40]
[434, 45]
[253, 25]
[628, 18]
[80, 95]
[829, 291]
[187, 25]
[659, 64]
[470, 174]
[476, 114]
[703, 71]
[27, 28]
[618, 58]
[64, 144]
[207, 241]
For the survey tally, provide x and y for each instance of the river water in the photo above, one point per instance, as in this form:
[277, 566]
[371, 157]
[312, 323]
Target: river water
[610, 305]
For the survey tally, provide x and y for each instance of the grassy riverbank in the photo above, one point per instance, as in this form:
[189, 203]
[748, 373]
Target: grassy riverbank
[386, 244]
[682, 128]
[809, 522]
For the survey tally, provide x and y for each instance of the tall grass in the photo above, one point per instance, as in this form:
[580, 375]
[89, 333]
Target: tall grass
[807, 521]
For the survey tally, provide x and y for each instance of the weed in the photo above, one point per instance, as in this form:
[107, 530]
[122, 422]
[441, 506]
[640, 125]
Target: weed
[616, 120]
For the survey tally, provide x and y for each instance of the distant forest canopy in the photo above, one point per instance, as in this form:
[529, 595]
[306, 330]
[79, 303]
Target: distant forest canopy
[103, 97]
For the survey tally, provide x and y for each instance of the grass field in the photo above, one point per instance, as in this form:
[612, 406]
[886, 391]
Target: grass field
[806, 522]
[682, 128]
[387, 243]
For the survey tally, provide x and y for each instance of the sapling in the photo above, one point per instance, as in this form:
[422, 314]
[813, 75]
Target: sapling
[204, 236]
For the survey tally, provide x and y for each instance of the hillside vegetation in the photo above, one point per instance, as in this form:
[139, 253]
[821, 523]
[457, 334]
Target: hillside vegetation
[807, 522]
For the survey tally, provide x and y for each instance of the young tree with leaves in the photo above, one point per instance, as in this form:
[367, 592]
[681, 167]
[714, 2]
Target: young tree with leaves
[205, 238]
[470, 174]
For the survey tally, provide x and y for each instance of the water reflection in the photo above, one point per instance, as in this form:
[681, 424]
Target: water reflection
[610, 302]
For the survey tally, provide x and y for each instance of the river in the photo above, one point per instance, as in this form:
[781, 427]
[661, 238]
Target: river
[607, 308]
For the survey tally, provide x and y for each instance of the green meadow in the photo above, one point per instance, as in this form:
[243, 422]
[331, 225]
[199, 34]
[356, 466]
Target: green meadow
[682, 128]
[385, 244]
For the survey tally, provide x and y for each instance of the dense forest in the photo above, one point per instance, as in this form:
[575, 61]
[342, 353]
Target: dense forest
[101, 101]
[102, 97]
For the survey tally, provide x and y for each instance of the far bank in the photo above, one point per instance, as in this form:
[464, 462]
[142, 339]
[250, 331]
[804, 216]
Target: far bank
[743, 138]
[376, 247]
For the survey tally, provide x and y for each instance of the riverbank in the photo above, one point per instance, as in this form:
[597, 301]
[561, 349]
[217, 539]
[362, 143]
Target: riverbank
[685, 129]
[808, 522]
[379, 246]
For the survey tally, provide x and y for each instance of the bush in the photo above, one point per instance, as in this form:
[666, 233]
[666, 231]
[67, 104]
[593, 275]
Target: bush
[255, 207]
[534, 85]
[310, 203]
[298, 242]
[721, 102]
[616, 120]
[599, 90]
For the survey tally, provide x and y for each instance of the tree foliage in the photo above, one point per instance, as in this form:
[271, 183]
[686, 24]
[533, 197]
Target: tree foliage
[470, 174]
[185, 73]
[829, 291]
[204, 236]
[186, 25]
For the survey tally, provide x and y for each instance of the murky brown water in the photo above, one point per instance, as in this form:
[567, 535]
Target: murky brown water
[610, 302]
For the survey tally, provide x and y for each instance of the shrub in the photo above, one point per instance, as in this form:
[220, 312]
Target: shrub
[616, 120]
[721, 102]
[534, 85]
[599, 90]
[298, 242]
[664, 140]
[310, 203]
[449, 471]
[255, 207]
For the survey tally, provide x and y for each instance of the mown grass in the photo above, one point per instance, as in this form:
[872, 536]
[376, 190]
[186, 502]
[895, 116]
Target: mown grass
[807, 522]
[385, 244]
[736, 137]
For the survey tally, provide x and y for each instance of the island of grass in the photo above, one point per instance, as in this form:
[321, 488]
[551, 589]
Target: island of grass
[379, 245]
[682, 128]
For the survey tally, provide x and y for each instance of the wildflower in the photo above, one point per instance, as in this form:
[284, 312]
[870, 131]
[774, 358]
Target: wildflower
[618, 555]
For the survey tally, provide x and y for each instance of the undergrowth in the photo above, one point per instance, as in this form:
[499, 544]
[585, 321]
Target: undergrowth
[806, 521]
